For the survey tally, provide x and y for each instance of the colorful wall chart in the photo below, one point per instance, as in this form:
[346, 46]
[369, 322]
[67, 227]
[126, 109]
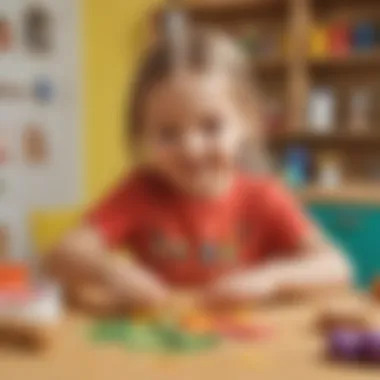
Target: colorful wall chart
[40, 114]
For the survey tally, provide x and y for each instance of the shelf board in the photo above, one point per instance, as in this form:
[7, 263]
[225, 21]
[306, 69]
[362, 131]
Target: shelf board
[354, 60]
[231, 8]
[350, 193]
[269, 64]
[325, 138]
[357, 60]
[200, 10]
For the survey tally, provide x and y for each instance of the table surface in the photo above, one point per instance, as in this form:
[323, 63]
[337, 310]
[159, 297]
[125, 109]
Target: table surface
[295, 352]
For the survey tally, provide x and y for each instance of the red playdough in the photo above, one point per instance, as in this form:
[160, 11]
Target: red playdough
[232, 329]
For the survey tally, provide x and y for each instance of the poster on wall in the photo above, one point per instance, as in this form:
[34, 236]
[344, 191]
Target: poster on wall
[40, 114]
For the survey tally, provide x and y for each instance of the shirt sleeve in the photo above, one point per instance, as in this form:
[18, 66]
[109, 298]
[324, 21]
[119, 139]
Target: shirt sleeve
[116, 215]
[286, 223]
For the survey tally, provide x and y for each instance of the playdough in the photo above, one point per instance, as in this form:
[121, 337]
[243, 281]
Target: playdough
[371, 346]
[152, 337]
[345, 345]
[186, 333]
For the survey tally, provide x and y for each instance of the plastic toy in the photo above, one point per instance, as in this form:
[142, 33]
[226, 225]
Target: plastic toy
[345, 345]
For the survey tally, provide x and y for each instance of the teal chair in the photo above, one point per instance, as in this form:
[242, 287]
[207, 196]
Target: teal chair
[355, 228]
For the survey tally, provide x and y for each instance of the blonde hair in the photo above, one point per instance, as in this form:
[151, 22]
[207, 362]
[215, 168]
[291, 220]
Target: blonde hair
[201, 50]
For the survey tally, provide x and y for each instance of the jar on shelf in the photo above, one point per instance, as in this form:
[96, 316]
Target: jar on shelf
[359, 114]
[329, 170]
[322, 110]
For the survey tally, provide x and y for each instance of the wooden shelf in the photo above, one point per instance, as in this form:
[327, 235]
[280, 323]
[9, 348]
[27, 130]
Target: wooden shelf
[353, 61]
[294, 74]
[227, 9]
[269, 64]
[350, 193]
[326, 138]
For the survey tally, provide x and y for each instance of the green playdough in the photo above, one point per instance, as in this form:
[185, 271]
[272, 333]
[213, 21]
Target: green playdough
[161, 336]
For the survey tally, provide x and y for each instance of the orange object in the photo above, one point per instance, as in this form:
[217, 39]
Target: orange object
[376, 289]
[13, 277]
[198, 323]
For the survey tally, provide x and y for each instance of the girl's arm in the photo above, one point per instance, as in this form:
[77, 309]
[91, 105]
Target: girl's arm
[315, 266]
[81, 261]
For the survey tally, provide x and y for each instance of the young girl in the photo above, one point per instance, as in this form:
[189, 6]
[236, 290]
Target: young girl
[187, 214]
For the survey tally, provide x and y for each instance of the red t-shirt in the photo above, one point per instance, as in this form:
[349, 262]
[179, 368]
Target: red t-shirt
[190, 241]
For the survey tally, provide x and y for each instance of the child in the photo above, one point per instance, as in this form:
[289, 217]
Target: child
[189, 217]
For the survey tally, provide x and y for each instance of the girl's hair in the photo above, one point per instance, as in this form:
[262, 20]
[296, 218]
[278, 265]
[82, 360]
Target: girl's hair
[200, 50]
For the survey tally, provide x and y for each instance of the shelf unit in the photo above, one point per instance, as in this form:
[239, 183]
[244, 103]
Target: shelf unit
[296, 72]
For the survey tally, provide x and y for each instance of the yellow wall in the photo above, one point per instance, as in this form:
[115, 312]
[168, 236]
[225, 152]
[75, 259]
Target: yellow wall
[113, 33]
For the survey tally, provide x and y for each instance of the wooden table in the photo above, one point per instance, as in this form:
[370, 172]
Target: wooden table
[295, 353]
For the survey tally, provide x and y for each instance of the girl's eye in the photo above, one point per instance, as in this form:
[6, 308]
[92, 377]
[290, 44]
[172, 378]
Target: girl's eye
[168, 134]
[212, 125]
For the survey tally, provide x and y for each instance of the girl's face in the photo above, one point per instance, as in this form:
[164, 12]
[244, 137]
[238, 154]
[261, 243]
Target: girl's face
[193, 131]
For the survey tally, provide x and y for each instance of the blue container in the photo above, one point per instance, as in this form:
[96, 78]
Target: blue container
[364, 36]
[297, 163]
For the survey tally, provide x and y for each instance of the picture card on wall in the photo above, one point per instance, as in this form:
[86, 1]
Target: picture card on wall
[35, 145]
[38, 29]
[4, 241]
[14, 237]
[5, 34]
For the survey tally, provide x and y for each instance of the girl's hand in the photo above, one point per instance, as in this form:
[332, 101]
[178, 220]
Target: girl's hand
[242, 288]
[134, 287]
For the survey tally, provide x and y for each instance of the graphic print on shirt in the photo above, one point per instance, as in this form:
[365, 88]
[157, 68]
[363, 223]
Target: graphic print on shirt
[164, 247]
[208, 253]
[157, 244]
[229, 252]
[178, 248]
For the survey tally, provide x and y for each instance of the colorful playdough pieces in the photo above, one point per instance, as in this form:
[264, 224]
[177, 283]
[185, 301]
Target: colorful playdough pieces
[345, 345]
[152, 337]
[242, 331]
[371, 346]
[176, 332]
[354, 346]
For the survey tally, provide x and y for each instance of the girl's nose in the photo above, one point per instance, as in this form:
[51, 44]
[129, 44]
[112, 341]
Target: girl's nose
[193, 145]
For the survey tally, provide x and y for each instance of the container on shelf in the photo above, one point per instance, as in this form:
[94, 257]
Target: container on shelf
[339, 40]
[359, 112]
[297, 164]
[319, 41]
[363, 36]
[329, 170]
[322, 110]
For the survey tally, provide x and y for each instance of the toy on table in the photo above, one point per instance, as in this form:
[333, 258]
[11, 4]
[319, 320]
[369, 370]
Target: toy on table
[28, 311]
[154, 336]
[181, 332]
[354, 346]
[344, 345]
